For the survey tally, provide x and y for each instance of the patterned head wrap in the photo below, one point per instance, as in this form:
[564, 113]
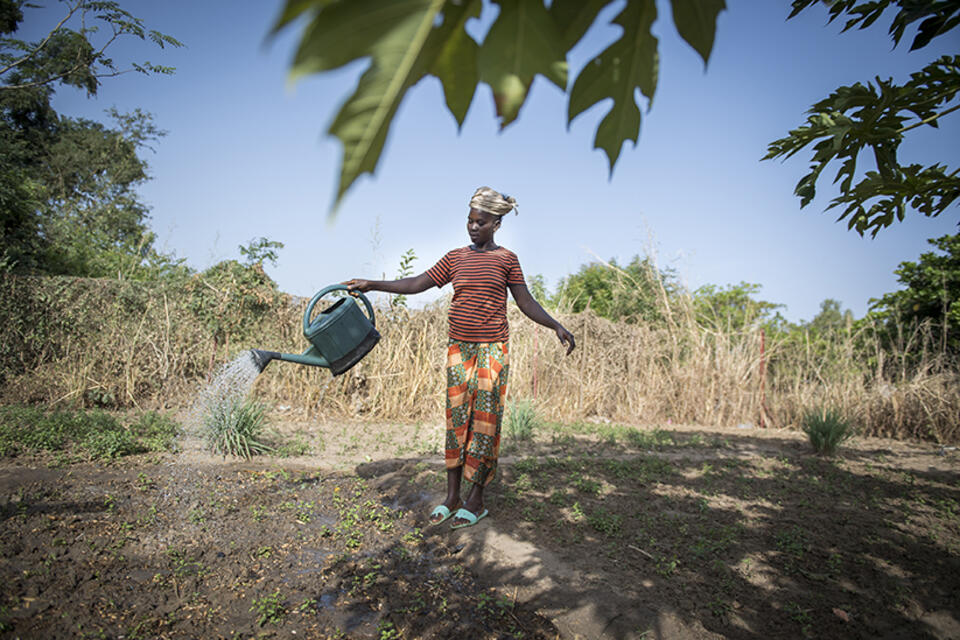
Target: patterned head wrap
[493, 202]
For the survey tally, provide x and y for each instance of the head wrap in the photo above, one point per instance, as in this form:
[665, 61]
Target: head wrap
[493, 202]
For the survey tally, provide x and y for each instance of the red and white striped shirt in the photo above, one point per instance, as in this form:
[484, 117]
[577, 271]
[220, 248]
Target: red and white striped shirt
[480, 279]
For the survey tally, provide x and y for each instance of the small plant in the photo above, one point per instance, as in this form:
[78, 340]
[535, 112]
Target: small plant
[232, 427]
[521, 419]
[405, 270]
[826, 429]
[270, 608]
[606, 523]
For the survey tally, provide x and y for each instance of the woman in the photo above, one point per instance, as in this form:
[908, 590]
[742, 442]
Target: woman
[477, 350]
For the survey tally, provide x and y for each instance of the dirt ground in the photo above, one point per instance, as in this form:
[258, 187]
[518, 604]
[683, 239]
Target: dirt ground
[595, 532]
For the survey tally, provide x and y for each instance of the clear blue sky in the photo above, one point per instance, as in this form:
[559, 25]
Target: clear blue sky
[247, 156]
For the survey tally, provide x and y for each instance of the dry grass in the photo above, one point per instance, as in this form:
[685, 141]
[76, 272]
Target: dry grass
[115, 344]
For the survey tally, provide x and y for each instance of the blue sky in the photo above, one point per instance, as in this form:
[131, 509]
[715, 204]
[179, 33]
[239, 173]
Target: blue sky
[247, 156]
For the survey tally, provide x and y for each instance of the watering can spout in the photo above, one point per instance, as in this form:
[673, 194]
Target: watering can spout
[262, 358]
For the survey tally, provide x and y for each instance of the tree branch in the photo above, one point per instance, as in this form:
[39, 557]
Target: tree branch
[928, 120]
[40, 46]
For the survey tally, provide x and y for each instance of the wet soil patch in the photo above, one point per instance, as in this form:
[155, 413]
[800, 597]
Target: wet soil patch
[140, 550]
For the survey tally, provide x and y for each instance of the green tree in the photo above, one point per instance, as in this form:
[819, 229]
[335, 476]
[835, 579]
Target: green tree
[830, 318]
[732, 308]
[872, 120]
[636, 292]
[930, 293]
[68, 201]
[538, 289]
[406, 40]
[260, 250]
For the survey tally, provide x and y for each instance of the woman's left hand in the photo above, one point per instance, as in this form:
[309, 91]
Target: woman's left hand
[566, 338]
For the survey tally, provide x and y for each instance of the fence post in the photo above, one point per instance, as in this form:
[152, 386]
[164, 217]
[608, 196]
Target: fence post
[536, 348]
[763, 379]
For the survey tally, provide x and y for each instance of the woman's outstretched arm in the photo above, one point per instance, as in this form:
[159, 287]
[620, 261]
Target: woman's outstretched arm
[532, 309]
[415, 284]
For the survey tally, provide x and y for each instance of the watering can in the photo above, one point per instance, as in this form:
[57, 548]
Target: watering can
[340, 336]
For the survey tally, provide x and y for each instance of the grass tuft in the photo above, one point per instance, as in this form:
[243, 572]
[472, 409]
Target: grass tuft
[826, 429]
[521, 420]
[233, 427]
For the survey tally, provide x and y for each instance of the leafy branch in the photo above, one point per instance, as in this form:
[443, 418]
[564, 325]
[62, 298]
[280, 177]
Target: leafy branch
[873, 118]
[67, 55]
[407, 40]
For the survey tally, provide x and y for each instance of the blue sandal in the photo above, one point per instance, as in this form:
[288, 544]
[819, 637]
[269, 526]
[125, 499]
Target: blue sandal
[442, 511]
[470, 518]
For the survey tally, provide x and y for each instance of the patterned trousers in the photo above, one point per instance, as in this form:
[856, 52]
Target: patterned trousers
[476, 392]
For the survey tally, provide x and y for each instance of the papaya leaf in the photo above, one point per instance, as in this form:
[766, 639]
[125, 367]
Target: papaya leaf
[873, 119]
[350, 30]
[454, 55]
[394, 33]
[696, 21]
[629, 63]
[523, 42]
[574, 17]
[293, 9]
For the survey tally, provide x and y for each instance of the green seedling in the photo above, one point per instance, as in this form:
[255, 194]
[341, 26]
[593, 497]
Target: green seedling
[269, 609]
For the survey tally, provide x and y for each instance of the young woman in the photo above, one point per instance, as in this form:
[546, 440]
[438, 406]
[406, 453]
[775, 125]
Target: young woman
[477, 350]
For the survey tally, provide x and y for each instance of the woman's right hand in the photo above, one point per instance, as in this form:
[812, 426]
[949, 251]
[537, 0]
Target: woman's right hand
[357, 284]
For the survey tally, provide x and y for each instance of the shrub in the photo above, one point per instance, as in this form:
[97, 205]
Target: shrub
[826, 429]
[158, 431]
[100, 434]
[233, 425]
[521, 419]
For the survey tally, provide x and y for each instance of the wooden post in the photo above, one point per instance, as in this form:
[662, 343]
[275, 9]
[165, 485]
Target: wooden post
[536, 348]
[763, 379]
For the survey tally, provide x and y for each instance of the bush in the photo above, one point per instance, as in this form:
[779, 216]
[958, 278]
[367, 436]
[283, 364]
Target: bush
[233, 425]
[521, 419]
[30, 429]
[826, 429]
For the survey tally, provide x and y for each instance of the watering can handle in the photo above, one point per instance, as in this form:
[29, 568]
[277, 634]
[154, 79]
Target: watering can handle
[325, 291]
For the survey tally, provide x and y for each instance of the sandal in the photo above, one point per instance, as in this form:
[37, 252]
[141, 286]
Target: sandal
[470, 517]
[442, 511]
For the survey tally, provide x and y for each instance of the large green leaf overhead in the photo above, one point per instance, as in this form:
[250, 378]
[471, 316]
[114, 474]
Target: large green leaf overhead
[454, 55]
[696, 22]
[523, 42]
[407, 39]
[395, 34]
[629, 63]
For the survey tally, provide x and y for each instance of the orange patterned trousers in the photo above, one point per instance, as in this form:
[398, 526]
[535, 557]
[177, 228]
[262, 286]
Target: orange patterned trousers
[476, 392]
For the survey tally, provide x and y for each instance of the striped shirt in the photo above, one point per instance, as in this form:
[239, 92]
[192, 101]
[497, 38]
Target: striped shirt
[480, 279]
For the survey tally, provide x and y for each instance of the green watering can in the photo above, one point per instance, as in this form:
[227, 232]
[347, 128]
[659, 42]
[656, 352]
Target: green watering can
[340, 336]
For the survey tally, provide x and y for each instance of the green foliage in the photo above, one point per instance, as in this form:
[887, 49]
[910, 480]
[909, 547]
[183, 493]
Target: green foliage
[521, 420]
[270, 608]
[830, 318]
[260, 250]
[68, 187]
[74, 51]
[873, 118]
[930, 293]
[26, 429]
[732, 308]
[233, 426]
[406, 40]
[405, 271]
[228, 295]
[538, 289]
[636, 292]
[826, 430]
